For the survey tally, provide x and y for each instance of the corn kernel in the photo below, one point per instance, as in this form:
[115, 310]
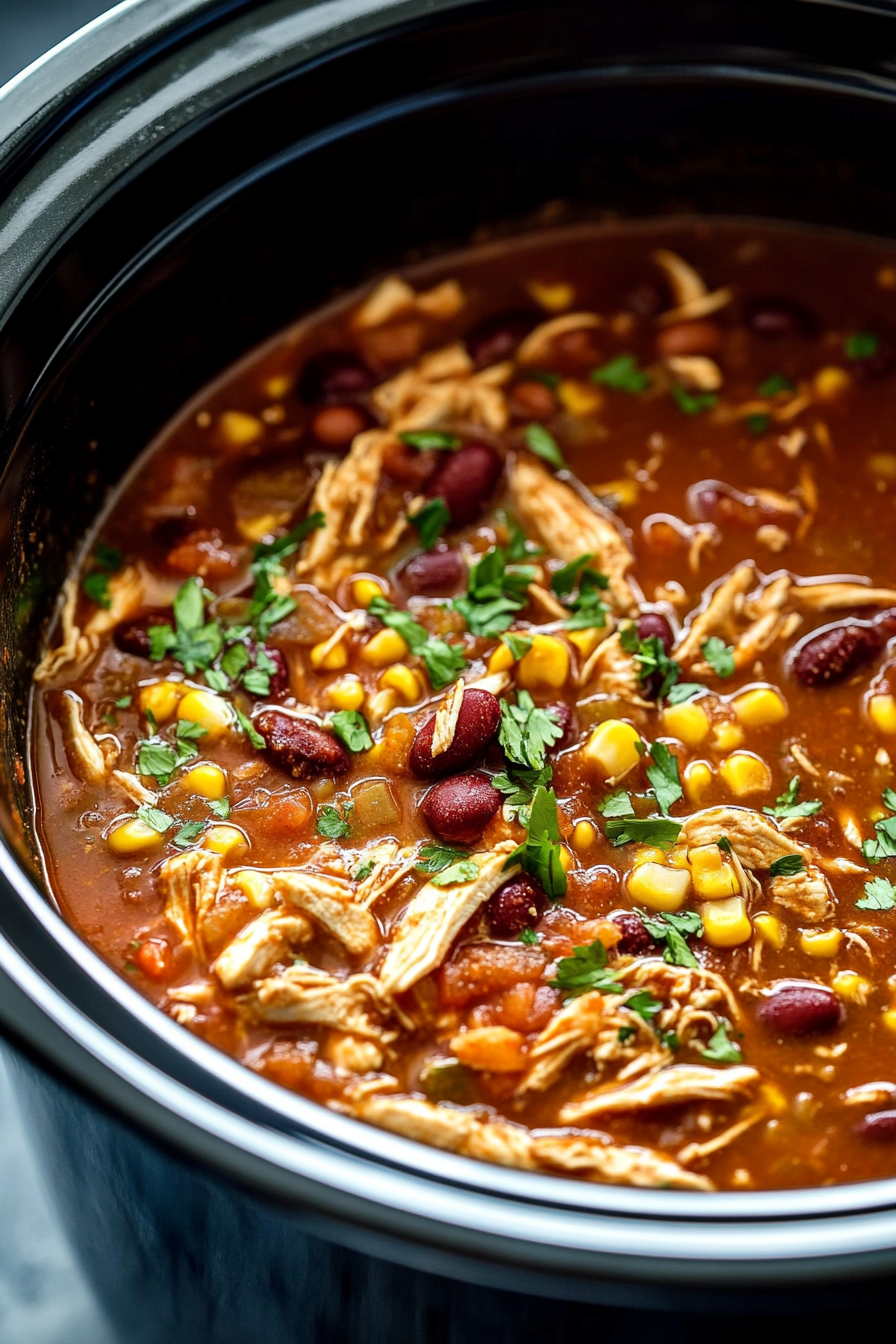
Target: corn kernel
[889, 1019]
[678, 857]
[226, 840]
[714, 879]
[404, 681]
[659, 887]
[160, 699]
[585, 641]
[727, 735]
[258, 888]
[696, 780]
[327, 656]
[648, 854]
[882, 712]
[386, 646]
[821, 942]
[774, 1098]
[566, 859]
[579, 398]
[725, 923]
[583, 836]
[877, 813]
[553, 295]
[206, 781]
[262, 525]
[759, 707]
[852, 986]
[277, 386]
[132, 836]
[770, 929]
[238, 429]
[501, 659]
[208, 710]
[830, 382]
[688, 722]
[346, 693]
[882, 465]
[365, 590]
[625, 491]
[545, 665]
[612, 748]
[745, 773]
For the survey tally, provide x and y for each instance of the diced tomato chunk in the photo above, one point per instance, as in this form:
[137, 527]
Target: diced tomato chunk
[202, 553]
[154, 959]
[278, 816]
[480, 969]
[526, 1007]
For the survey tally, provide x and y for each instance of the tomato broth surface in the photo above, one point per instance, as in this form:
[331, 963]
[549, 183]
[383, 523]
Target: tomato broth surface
[476, 712]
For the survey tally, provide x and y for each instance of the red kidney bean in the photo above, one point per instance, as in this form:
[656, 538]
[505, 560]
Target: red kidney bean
[299, 746]
[477, 724]
[773, 317]
[562, 716]
[703, 336]
[828, 657]
[465, 480]
[408, 465]
[635, 940]
[498, 337]
[133, 636]
[799, 1007]
[531, 400]
[336, 426]
[515, 906]
[334, 374]
[459, 809]
[654, 625]
[434, 571]
[879, 1126]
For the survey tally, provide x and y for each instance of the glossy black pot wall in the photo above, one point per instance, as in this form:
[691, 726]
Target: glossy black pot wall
[176, 187]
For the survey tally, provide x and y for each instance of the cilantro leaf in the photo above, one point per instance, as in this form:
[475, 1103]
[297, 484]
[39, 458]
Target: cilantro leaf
[350, 727]
[584, 971]
[787, 806]
[659, 831]
[861, 345]
[774, 384]
[431, 521]
[663, 775]
[267, 606]
[250, 730]
[616, 804]
[155, 818]
[671, 930]
[526, 731]
[519, 645]
[643, 1004]
[430, 440]
[758, 423]
[587, 609]
[124, 702]
[683, 690]
[156, 758]
[529, 937]
[194, 643]
[495, 592]
[257, 680]
[652, 659]
[188, 833]
[719, 656]
[364, 871]
[622, 374]
[96, 586]
[720, 1048]
[880, 894]
[883, 846]
[234, 660]
[443, 662]
[539, 854]
[787, 866]
[724, 844]
[519, 547]
[220, 807]
[692, 403]
[889, 797]
[544, 445]
[465, 871]
[436, 858]
[107, 557]
[332, 824]
[518, 785]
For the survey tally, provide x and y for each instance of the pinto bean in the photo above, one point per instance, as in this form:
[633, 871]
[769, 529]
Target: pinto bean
[830, 656]
[799, 1007]
[465, 480]
[434, 571]
[477, 724]
[703, 336]
[133, 636]
[408, 465]
[635, 940]
[336, 426]
[459, 809]
[299, 746]
[515, 906]
[773, 317]
[497, 337]
[334, 373]
[531, 400]
[880, 1126]
[653, 625]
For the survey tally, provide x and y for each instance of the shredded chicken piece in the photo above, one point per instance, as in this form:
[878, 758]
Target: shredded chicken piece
[696, 372]
[345, 494]
[441, 388]
[356, 1005]
[259, 946]
[393, 297]
[536, 347]
[78, 647]
[593, 1156]
[568, 1033]
[348, 1054]
[189, 883]
[495, 683]
[85, 755]
[755, 838]
[834, 596]
[447, 715]
[686, 283]
[614, 673]
[74, 649]
[667, 1087]
[547, 601]
[435, 917]
[390, 864]
[717, 617]
[569, 527]
[330, 902]
[695, 1152]
[807, 894]
[135, 790]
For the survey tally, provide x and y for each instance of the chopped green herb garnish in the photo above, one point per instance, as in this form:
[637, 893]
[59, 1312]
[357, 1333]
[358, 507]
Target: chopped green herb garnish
[108, 558]
[787, 806]
[720, 1048]
[757, 424]
[541, 376]
[652, 659]
[693, 403]
[519, 645]
[540, 853]
[683, 690]
[663, 775]
[155, 818]
[364, 871]
[268, 606]
[250, 730]
[431, 521]
[787, 866]
[889, 797]
[194, 642]
[724, 844]
[519, 547]
[622, 374]
[719, 656]
[616, 804]
[465, 871]
[588, 610]
[774, 384]
[124, 702]
[659, 831]
[158, 759]
[444, 662]
[883, 846]
[495, 593]
[332, 824]
[526, 732]
[189, 832]
[220, 807]
[880, 894]
[257, 680]
[96, 586]
[350, 727]
[544, 445]
[233, 660]
[861, 345]
[436, 858]
[430, 441]
[529, 937]
[671, 931]
[584, 971]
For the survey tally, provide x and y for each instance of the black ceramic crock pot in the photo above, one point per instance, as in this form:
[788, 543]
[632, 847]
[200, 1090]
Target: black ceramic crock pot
[177, 182]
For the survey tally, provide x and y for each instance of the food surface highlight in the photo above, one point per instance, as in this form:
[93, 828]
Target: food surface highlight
[478, 712]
